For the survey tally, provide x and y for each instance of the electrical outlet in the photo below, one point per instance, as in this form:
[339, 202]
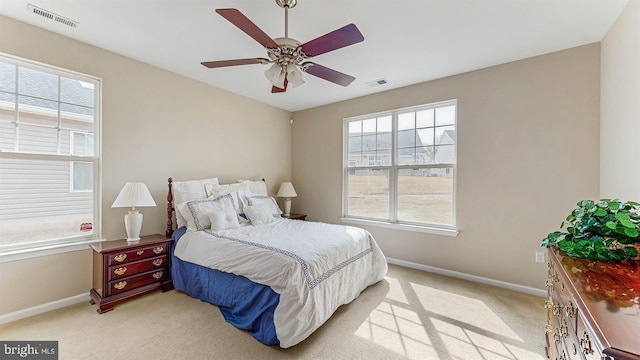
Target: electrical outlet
[539, 257]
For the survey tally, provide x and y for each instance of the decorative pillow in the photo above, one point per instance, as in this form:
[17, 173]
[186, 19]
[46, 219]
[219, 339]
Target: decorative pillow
[184, 191]
[266, 202]
[255, 186]
[258, 215]
[225, 219]
[235, 190]
[196, 211]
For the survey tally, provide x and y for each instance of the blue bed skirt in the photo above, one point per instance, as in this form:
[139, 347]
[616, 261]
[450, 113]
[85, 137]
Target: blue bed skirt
[243, 303]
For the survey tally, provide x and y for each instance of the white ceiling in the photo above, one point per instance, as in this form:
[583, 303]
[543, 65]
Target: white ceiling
[406, 41]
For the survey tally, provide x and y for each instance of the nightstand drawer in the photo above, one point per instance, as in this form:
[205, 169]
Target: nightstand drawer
[133, 268]
[137, 254]
[128, 283]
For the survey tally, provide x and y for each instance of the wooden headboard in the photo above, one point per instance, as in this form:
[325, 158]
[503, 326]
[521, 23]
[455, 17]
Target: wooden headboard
[170, 209]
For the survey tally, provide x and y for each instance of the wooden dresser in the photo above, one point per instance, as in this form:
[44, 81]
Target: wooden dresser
[593, 309]
[122, 270]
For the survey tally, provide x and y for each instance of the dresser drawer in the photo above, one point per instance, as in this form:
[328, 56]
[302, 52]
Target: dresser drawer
[137, 267]
[587, 343]
[132, 282]
[122, 257]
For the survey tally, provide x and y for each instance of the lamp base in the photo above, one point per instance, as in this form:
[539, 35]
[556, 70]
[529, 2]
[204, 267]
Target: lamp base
[133, 224]
[287, 207]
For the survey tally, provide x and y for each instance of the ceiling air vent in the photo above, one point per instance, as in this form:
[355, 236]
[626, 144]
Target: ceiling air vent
[51, 16]
[377, 82]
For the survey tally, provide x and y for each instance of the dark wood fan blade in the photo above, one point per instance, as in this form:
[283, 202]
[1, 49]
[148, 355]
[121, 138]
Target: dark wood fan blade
[243, 23]
[345, 36]
[275, 89]
[328, 74]
[223, 63]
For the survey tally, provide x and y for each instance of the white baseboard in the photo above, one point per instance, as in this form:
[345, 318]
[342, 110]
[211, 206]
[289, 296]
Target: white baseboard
[39, 309]
[58, 304]
[474, 278]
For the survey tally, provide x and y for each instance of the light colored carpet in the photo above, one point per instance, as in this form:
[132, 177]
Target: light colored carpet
[409, 315]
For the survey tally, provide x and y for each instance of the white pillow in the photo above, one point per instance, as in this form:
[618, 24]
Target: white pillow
[225, 219]
[196, 211]
[184, 191]
[265, 202]
[258, 215]
[255, 186]
[234, 190]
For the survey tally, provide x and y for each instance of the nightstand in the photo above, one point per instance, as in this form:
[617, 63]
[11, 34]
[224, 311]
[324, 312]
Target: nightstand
[296, 216]
[122, 270]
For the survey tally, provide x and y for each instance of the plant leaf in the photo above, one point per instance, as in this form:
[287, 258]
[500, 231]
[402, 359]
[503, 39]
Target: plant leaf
[614, 205]
[631, 232]
[600, 212]
[622, 216]
[611, 225]
[627, 223]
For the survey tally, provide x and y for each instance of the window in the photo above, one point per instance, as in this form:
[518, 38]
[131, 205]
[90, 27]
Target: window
[49, 155]
[81, 172]
[400, 166]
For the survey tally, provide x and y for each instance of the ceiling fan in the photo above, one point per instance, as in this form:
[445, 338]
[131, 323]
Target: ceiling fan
[288, 55]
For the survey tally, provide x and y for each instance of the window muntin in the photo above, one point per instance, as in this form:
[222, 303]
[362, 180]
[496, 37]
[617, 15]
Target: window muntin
[400, 166]
[49, 155]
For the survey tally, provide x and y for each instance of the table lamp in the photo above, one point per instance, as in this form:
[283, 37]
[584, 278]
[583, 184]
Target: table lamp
[133, 195]
[287, 191]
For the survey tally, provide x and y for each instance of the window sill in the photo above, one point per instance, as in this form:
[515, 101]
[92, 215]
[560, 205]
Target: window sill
[45, 250]
[406, 227]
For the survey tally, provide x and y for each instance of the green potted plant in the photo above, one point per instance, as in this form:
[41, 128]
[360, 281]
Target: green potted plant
[606, 230]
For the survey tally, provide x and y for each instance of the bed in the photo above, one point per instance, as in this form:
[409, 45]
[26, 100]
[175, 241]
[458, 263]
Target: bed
[277, 278]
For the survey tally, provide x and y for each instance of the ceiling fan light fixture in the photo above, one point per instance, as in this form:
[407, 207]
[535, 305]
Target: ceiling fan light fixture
[276, 75]
[295, 76]
[272, 74]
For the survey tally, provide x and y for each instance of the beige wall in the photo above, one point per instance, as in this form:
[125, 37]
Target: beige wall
[527, 152]
[620, 107]
[155, 124]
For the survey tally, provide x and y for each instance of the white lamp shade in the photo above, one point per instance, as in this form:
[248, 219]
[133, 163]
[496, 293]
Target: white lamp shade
[286, 190]
[295, 76]
[134, 195]
[275, 75]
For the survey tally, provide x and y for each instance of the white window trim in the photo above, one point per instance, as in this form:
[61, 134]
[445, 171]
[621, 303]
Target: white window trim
[27, 250]
[419, 227]
[45, 250]
[446, 231]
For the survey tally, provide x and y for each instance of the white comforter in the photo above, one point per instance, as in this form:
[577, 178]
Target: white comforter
[315, 267]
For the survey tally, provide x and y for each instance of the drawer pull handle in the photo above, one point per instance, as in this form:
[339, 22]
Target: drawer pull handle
[547, 327]
[564, 329]
[120, 285]
[549, 283]
[563, 356]
[575, 349]
[140, 252]
[157, 262]
[548, 304]
[120, 271]
[158, 249]
[585, 342]
[556, 336]
[120, 257]
[556, 309]
[157, 275]
[570, 310]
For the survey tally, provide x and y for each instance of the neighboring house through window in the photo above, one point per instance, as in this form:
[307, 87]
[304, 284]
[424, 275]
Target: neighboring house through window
[49, 155]
[400, 166]
[81, 172]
